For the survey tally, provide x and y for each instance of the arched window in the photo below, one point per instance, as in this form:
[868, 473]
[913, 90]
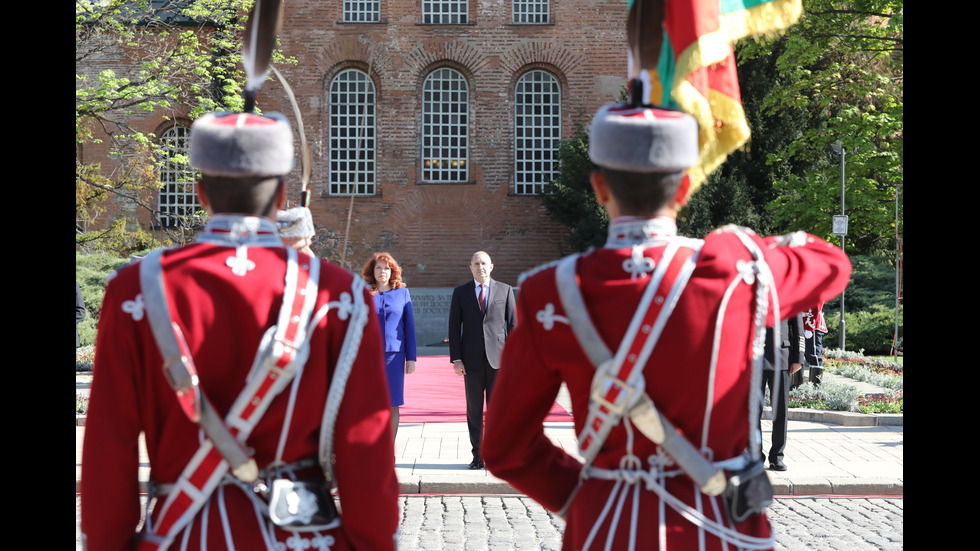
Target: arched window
[537, 131]
[352, 134]
[445, 127]
[178, 200]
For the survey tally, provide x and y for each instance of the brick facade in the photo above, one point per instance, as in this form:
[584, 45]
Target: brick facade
[433, 228]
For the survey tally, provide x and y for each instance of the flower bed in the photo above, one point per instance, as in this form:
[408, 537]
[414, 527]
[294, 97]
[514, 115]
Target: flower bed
[84, 358]
[881, 403]
[838, 397]
[836, 358]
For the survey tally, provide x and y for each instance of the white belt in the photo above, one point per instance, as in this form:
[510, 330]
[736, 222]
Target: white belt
[633, 476]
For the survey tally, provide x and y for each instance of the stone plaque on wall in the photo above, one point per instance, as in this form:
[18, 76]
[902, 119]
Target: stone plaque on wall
[431, 308]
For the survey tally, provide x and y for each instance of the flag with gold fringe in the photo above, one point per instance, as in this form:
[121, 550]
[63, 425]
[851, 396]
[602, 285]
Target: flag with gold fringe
[683, 52]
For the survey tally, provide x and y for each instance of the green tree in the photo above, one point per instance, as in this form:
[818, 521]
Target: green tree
[572, 202]
[134, 57]
[835, 78]
[869, 307]
[740, 190]
[843, 64]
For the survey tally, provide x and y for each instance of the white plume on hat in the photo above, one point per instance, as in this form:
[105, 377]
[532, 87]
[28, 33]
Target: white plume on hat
[296, 222]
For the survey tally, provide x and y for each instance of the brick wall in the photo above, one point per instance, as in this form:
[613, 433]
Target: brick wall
[433, 229]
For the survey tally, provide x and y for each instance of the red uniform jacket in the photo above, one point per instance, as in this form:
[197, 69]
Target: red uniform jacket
[542, 352]
[223, 306]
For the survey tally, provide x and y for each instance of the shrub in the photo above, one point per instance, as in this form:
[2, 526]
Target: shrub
[806, 396]
[81, 404]
[871, 330]
[830, 396]
[91, 273]
[870, 307]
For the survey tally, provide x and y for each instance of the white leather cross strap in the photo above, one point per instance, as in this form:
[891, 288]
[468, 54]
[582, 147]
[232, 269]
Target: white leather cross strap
[284, 348]
[618, 386]
[764, 293]
[357, 309]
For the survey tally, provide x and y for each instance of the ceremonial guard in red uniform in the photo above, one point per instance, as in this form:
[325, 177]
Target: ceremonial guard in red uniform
[656, 337]
[275, 348]
[814, 328]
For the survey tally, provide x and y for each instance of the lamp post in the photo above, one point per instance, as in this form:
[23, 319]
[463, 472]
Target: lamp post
[840, 229]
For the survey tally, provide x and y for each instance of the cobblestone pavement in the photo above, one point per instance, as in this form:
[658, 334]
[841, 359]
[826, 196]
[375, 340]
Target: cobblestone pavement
[505, 523]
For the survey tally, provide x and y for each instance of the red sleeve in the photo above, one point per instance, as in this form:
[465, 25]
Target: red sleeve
[364, 447]
[515, 447]
[110, 451]
[806, 270]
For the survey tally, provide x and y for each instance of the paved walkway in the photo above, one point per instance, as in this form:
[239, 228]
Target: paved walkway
[828, 453]
[824, 458]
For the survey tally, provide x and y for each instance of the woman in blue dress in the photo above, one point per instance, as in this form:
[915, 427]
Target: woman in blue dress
[393, 304]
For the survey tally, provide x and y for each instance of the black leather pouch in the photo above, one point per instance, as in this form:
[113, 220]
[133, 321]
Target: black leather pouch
[748, 493]
[302, 505]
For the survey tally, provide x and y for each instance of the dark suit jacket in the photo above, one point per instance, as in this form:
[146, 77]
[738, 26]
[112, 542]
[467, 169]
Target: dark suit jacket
[791, 337]
[471, 334]
[79, 310]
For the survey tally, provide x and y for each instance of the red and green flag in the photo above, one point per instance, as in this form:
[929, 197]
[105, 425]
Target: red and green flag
[694, 66]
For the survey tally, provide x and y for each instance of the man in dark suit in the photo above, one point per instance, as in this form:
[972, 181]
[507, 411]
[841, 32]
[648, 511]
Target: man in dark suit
[481, 315]
[80, 311]
[777, 367]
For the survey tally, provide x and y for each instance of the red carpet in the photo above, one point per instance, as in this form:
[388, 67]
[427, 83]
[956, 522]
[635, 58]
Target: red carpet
[434, 394]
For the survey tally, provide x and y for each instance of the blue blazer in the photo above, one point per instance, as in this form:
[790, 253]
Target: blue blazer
[394, 309]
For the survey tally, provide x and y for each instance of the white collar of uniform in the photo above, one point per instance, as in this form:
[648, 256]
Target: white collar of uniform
[234, 229]
[629, 231]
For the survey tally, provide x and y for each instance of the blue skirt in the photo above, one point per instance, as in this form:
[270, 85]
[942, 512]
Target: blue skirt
[395, 370]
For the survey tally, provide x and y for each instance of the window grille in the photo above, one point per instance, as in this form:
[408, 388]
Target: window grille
[531, 11]
[362, 11]
[537, 132]
[178, 199]
[445, 112]
[445, 12]
[352, 134]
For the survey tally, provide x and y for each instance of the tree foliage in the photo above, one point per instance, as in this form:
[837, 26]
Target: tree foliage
[740, 190]
[133, 58]
[572, 202]
[869, 307]
[843, 65]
